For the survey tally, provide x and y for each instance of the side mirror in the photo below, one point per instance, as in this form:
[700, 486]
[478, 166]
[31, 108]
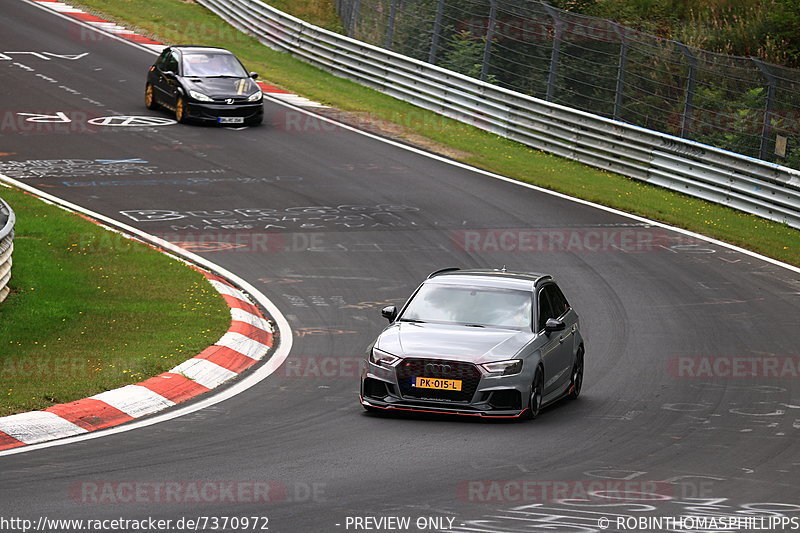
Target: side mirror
[254, 75]
[169, 74]
[389, 313]
[554, 324]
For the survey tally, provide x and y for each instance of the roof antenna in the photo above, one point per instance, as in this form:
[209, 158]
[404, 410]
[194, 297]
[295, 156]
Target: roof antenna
[503, 269]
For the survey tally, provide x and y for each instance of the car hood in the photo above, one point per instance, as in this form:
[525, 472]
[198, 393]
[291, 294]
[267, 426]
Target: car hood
[457, 343]
[222, 87]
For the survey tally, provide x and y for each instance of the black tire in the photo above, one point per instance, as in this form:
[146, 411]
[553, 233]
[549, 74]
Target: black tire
[180, 111]
[576, 382]
[150, 97]
[536, 395]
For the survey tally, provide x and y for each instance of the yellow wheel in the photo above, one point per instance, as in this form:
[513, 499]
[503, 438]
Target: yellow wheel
[180, 111]
[149, 97]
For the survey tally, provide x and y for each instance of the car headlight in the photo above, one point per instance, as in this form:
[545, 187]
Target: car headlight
[255, 97]
[200, 96]
[377, 357]
[505, 368]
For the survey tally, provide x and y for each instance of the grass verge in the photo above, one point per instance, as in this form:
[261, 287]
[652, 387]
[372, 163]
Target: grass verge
[92, 311]
[177, 21]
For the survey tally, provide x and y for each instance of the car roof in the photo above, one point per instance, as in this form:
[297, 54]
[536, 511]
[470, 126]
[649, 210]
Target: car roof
[497, 278]
[200, 48]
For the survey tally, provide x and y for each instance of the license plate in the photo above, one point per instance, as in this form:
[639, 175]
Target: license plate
[436, 383]
[230, 120]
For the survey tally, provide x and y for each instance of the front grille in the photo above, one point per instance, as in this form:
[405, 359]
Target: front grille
[468, 373]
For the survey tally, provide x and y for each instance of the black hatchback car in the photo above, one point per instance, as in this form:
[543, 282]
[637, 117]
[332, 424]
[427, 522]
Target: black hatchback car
[205, 84]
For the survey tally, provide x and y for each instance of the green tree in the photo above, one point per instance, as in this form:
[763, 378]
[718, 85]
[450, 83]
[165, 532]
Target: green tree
[464, 54]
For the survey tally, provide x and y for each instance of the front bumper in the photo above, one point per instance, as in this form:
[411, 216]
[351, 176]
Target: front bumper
[210, 112]
[438, 409]
[489, 396]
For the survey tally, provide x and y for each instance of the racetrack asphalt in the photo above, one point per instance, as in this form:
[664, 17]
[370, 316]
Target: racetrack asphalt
[332, 225]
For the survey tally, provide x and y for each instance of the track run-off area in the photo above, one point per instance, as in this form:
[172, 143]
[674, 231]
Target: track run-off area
[691, 398]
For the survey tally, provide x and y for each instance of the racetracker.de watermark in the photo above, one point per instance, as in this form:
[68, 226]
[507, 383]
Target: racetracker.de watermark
[571, 240]
[246, 241]
[321, 367]
[727, 366]
[208, 242]
[522, 29]
[294, 121]
[529, 491]
[195, 492]
[200, 31]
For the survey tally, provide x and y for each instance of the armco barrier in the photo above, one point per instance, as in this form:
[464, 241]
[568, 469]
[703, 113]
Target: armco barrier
[7, 220]
[723, 177]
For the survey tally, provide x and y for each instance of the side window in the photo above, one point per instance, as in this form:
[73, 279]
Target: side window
[545, 309]
[161, 58]
[557, 299]
[171, 63]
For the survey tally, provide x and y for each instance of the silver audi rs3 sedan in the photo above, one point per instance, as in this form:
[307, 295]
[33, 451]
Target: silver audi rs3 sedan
[485, 343]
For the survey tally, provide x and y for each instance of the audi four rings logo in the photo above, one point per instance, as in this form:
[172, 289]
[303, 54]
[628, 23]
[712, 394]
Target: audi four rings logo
[437, 368]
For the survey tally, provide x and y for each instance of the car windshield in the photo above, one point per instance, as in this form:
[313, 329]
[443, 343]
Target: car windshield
[211, 64]
[470, 306]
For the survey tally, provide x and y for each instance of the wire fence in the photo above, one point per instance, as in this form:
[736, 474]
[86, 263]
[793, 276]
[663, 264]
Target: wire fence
[596, 65]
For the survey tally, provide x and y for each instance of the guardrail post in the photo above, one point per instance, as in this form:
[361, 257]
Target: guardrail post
[487, 48]
[766, 126]
[558, 25]
[390, 25]
[691, 80]
[437, 30]
[621, 66]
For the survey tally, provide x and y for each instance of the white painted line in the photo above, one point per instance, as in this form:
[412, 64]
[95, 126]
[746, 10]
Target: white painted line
[134, 400]
[244, 345]
[36, 426]
[204, 372]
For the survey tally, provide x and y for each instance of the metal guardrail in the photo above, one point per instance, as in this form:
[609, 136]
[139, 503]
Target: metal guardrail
[7, 220]
[751, 185]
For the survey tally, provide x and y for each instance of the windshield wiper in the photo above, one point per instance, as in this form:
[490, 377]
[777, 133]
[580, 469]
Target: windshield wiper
[223, 76]
[414, 320]
[475, 325]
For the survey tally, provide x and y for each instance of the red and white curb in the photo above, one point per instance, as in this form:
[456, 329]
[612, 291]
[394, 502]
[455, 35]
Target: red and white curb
[289, 98]
[248, 340]
[123, 33]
